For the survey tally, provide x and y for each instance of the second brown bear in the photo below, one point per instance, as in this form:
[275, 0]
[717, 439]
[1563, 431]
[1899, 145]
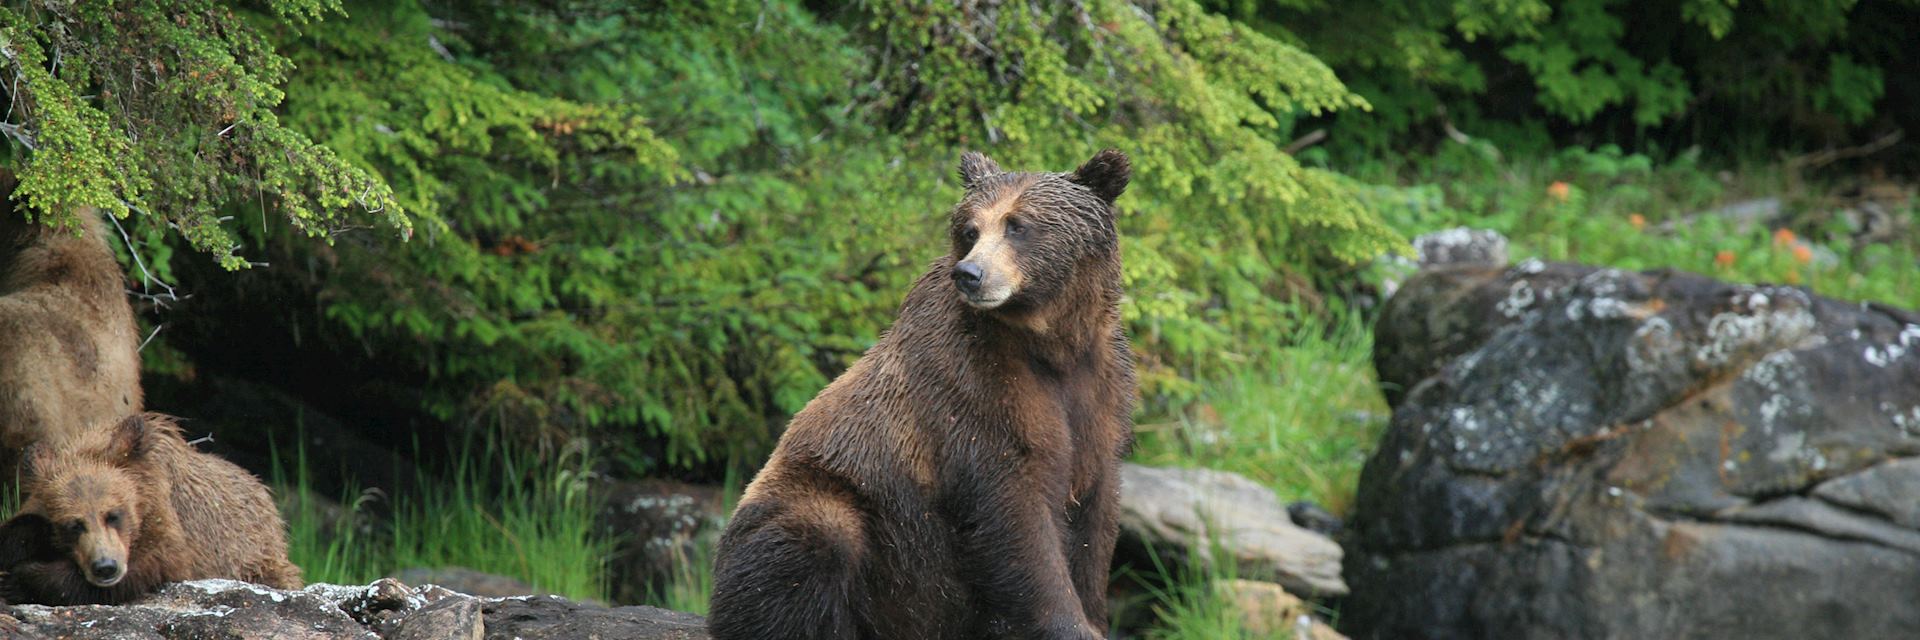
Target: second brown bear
[960, 480]
[110, 516]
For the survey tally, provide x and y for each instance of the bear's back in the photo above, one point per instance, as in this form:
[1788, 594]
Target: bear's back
[225, 515]
[69, 351]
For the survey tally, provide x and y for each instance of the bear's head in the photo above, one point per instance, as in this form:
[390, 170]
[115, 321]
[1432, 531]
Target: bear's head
[1021, 240]
[88, 489]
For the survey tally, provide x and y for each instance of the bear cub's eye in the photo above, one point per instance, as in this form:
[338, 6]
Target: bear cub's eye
[970, 234]
[113, 519]
[1014, 228]
[77, 526]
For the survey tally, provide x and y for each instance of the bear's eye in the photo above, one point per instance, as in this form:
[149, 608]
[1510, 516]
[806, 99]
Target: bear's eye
[970, 234]
[113, 519]
[1014, 228]
[77, 526]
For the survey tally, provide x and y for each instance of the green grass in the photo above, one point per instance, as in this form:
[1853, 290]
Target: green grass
[1594, 221]
[495, 512]
[1187, 606]
[692, 584]
[1301, 423]
[10, 498]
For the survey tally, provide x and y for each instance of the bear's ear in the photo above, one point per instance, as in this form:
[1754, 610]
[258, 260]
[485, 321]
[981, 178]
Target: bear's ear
[976, 166]
[1106, 174]
[130, 439]
[35, 460]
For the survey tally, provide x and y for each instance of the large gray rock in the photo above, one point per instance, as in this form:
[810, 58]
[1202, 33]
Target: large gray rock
[1183, 513]
[1591, 453]
[384, 610]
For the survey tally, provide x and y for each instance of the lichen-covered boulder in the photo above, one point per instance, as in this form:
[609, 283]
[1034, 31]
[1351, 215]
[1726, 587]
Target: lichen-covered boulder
[1594, 453]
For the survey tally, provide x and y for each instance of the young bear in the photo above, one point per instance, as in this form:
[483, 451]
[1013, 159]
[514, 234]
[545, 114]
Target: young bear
[69, 352]
[113, 515]
[960, 480]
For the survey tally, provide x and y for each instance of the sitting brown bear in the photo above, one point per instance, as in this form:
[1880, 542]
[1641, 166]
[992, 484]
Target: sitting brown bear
[960, 480]
[111, 516]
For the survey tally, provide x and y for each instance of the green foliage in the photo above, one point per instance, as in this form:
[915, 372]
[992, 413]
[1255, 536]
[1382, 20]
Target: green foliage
[167, 109]
[1800, 69]
[1627, 210]
[680, 240]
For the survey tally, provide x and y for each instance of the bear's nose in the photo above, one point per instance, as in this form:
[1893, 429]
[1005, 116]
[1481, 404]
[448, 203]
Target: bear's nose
[966, 275]
[105, 569]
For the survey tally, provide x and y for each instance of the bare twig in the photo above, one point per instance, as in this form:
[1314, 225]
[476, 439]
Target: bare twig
[156, 331]
[434, 44]
[145, 275]
[19, 134]
[1300, 144]
[1825, 157]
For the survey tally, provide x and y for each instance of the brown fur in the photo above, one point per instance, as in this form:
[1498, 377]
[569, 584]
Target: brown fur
[138, 495]
[69, 351]
[960, 480]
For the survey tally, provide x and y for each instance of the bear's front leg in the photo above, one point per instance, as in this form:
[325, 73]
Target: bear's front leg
[54, 583]
[59, 583]
[1012, 544]
[1092, 525]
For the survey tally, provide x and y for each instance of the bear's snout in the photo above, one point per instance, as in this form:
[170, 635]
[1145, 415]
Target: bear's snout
[966, 275]
[104, 572]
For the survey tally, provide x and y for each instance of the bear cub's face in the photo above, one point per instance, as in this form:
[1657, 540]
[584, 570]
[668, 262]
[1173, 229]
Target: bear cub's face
[1019, 237]
[90, 498]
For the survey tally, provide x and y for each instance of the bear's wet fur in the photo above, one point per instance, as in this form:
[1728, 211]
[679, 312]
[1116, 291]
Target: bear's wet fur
[961, 479]
[111, 516]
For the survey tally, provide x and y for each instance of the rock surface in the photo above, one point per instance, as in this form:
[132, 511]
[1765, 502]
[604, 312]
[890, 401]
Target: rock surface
[467, 581]
[1177, 512]
[1266, 610]
[1461, 245]
[1592, 453]
[384, 610]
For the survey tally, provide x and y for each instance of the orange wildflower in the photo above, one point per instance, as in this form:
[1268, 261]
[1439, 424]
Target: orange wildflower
[1802, 253]
[1638, 221]
[1724, 259]
[1559, 190]
[1783, 236]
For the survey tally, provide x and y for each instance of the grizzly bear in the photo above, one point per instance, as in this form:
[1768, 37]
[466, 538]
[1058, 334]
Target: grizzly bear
[960, 479]
[112, 515]
[69, 351]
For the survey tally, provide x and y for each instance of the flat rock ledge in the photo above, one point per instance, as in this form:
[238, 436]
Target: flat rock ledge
[383, 610]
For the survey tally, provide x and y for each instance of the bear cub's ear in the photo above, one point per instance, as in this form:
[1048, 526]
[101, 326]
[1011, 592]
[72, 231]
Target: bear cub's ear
[130, 438]
[36, 460]
[975, 167]
[1106, 174]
